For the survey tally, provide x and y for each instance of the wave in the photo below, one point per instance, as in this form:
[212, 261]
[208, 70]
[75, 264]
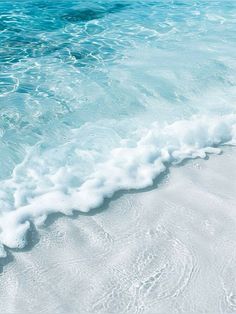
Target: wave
[130, 166]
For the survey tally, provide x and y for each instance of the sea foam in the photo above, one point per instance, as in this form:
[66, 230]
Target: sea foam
[127, 167]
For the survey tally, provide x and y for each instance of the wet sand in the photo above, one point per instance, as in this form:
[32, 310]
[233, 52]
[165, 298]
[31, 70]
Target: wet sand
[169, 249]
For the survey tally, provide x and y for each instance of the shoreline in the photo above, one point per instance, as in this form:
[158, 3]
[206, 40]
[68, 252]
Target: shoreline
[160, 250]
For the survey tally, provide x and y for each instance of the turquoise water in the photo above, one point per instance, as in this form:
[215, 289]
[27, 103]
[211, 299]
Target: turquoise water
[98, 96]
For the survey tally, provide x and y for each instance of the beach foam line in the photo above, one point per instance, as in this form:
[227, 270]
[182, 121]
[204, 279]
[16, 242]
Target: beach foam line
[127, 167]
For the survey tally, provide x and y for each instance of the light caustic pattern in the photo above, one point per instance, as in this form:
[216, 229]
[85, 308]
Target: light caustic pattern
[99, 96]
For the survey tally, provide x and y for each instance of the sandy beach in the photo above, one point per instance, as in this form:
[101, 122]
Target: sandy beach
[167, 249]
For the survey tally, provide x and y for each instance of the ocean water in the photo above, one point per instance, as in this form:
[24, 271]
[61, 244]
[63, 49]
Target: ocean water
[98, 96]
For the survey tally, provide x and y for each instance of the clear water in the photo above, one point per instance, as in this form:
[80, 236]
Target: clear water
[84, 83]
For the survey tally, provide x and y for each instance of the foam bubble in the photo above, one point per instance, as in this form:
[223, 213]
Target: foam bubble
[35, 190]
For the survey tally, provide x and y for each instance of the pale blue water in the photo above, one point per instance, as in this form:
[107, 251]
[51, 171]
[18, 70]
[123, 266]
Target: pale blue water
[79, 79]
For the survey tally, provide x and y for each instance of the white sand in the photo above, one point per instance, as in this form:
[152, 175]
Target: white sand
[171, 249]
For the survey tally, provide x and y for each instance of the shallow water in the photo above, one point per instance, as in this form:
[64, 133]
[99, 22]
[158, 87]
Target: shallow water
[98, 96]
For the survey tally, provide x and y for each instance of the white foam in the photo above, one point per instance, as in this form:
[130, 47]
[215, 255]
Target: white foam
[127, 167]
